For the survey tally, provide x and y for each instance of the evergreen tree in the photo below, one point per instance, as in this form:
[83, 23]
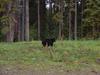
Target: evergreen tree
[92, 19]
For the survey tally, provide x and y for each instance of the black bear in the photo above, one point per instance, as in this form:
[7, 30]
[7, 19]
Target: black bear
[48, 42]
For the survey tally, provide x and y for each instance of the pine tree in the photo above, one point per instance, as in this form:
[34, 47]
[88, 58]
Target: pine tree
[92, 18]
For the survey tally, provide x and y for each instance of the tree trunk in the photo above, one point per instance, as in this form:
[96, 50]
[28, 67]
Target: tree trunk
[27, 20]
[38, 19]
[21, 20]
[75, 28]
[11, 23]
[61, 23]
[60, 29]
[69, 20]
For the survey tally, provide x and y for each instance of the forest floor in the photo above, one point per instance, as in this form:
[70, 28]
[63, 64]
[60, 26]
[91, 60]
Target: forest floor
[65, 58]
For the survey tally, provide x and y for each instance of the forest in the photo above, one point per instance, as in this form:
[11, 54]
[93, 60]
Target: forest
[24, 20]
[49, 37]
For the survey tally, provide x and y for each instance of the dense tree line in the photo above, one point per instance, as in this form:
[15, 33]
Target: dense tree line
[14, 20]
[24, 20]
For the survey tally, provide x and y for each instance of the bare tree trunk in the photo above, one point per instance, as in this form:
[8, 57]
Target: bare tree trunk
[81, 34]
[61, 23]
[75, 29]
[21, 20]
[69, 20]
[27, 20]
[18, 19]
[70, 34]
[60, 29]
[38, 19]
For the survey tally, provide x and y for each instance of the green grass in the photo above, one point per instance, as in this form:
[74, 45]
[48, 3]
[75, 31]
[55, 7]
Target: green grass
[65, 54]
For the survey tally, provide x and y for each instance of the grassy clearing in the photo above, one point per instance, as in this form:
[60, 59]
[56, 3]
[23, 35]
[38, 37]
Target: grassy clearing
[70, 55]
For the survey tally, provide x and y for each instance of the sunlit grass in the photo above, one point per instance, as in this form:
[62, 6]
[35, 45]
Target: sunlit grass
[66, 54]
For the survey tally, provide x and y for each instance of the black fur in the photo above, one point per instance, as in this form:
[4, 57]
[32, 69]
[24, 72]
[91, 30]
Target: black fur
[48, 42]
